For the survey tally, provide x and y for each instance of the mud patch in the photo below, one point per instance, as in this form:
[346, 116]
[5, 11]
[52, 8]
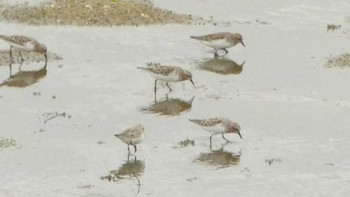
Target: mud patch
[91, 13]
[185, 143]
[273, 160]
[332, 27]
[341, 61]
[52, 115]
[6, 142]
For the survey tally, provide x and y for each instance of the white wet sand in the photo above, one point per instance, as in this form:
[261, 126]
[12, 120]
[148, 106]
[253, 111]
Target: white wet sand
[293, 111]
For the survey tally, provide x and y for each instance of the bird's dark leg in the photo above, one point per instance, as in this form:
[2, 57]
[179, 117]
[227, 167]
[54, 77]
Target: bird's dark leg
[225, 51]
[216, 54]
[168, 86]
[155, 86]
[10, 54]
[45, 55]
[224, 138]
[20, 66]
[135, 148]
[155, 97]
[210, 140]
[128, 149]
[20, 54]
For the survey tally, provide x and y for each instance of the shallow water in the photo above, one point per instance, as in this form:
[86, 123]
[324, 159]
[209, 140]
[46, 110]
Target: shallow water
[57, 127]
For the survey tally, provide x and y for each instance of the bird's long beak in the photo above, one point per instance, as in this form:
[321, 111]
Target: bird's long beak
[239, 133]
[243, 43]
[191, 82]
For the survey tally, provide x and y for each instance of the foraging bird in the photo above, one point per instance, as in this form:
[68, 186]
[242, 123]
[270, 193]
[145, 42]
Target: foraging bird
[24, 43]
[167, 73]
[220, 41]
[218, 126]
[132, 136]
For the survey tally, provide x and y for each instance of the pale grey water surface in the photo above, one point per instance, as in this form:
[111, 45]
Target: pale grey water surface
[57, 130]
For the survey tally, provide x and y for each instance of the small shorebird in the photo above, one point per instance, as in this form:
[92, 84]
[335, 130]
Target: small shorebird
[220, 41]
[24, 43]
[132, 136]
[167, 73]
[218, 126]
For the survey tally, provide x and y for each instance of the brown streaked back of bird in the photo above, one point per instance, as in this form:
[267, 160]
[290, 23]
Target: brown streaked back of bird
[207, 122]
[210, 37]
[19, 39]
[159, 69]
[133, 132]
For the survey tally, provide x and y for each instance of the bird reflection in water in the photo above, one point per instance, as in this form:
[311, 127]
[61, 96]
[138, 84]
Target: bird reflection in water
[22, 79]
[168, 106]
[222, 65]
[219, 158]
[132, 168]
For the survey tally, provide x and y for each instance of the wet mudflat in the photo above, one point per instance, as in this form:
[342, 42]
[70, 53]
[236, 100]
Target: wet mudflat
[57, 130]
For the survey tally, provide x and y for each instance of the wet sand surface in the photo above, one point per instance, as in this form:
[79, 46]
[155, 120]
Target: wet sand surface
[58, 124]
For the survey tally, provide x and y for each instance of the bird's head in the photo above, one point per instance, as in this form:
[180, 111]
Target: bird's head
[235, 128]
[40, 48]
[187, 75]
[239, 38]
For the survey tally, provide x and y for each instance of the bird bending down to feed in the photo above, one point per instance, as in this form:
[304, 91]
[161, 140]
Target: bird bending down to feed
[218, 126]
[221, 40]
[167, 74]
[25, 43]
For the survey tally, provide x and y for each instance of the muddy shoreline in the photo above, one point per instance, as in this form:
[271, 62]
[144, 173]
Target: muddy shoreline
[91, 13]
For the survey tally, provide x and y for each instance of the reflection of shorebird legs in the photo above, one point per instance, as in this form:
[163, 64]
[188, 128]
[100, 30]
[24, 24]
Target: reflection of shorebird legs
[129, 157]
[133, 173]
[222, 147]
[155, 96]
[138, 182]
[20, 66]
[10, 65]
